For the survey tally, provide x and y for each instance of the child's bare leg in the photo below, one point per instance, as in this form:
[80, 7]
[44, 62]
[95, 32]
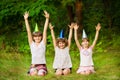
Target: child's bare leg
[83, 73]
[66, 71]
[33, 72]
[58, 72]
[87, 72]
[41, 72]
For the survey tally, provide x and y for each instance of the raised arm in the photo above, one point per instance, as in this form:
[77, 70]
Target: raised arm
[96, 35]
[26, 15]
[75, 36]
[70, 34]
[45, 26]
[53, 35]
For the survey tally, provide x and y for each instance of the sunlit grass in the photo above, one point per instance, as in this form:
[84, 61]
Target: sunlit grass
[14, 66]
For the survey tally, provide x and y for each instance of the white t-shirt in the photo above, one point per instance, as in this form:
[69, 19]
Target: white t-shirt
[38, 53]
[86, 57]
[62, 58]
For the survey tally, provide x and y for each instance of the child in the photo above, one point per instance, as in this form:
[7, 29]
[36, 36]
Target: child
[62, 61]
[37, 42]
[86, 62]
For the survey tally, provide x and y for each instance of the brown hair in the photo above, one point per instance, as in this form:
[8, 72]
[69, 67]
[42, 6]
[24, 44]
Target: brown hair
[85, 39]
[34, 34]
[64, 40]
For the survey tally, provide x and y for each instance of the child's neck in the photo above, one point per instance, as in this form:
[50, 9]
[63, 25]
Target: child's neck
[37, 43]
[61, 48]
[85, 47]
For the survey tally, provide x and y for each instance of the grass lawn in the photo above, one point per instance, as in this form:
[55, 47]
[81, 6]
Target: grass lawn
[14, 66]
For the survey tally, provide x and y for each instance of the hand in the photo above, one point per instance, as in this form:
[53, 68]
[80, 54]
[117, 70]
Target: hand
[50, 26]
[46, 14]
[98, 27]
[26, 15]
[71, 26]
[76, 26]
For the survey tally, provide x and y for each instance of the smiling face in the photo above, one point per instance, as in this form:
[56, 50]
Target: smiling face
[37, 37]
[85, 43]
[62, 43]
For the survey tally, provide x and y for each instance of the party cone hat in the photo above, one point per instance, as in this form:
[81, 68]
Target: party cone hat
[36, 28]
[61, 34]
[84, 35]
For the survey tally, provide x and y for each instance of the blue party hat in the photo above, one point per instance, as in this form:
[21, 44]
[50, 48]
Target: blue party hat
[84, 35]
[61, 34]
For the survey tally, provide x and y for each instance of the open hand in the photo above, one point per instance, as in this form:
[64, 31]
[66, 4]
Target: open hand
[26, 15]
[71, 26]
[46, 14]
[76, 26]
[98, 27]
[50, 26]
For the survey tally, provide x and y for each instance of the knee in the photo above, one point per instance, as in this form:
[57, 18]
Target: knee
[41, 72]
[83, 73]
[58, 72]
[33, 72]
[88, 72]
[66, 71]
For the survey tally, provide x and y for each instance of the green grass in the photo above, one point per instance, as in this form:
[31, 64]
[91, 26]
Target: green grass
[14, 66]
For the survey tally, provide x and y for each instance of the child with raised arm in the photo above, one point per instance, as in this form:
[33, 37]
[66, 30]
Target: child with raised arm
[37, 43]
[62, 61]
[86, 62]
